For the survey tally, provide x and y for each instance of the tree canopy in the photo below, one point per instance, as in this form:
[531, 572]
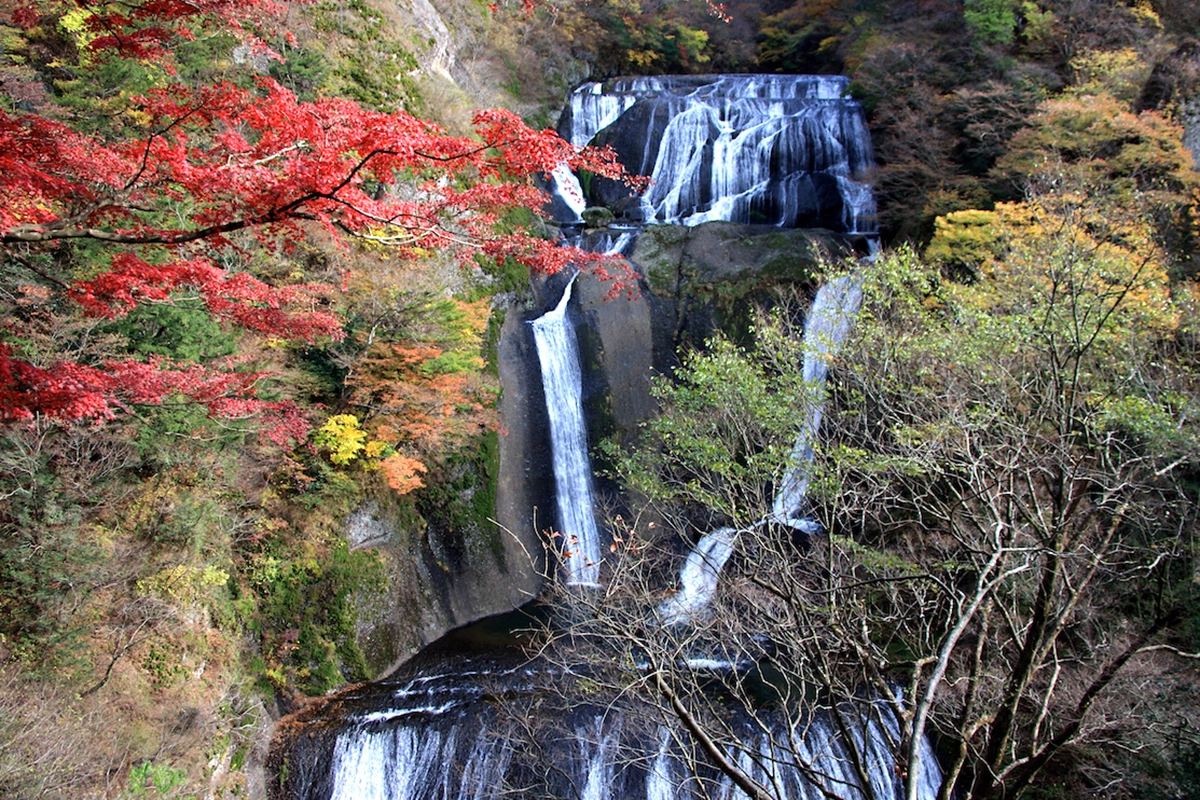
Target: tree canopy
[1004, 474]
[182, 169]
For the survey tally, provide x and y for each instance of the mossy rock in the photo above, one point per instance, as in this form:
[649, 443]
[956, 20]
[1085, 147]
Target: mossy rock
[659, 252]
[597, 217]
[714, 274]
[677, 260]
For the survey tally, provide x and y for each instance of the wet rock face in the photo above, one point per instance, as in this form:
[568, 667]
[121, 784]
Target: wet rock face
[695, 280]
[619, 353]
[1175, 81]
[422, 596]
[442, 572]
[711, 277]
[677, 261]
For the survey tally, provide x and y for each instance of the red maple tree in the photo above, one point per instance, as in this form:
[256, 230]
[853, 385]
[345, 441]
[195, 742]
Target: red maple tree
[200, 164]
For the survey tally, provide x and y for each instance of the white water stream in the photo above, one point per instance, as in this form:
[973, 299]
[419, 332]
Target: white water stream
[558, 354]
[826, 327]
[828, 323]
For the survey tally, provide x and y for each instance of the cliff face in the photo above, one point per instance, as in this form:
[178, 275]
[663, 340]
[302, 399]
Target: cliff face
[442, 569]
[694, 281]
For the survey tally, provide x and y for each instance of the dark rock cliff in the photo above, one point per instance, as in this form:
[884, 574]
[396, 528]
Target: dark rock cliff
[694, 281]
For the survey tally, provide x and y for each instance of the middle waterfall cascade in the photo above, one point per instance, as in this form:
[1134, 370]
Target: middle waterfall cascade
[558, 354]
[827, 325]
[698, 578]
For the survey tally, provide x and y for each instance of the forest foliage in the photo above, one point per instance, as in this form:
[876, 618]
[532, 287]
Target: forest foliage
[1001, 537]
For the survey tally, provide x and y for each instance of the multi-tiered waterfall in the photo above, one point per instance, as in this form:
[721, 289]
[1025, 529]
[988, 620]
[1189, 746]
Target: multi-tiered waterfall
[784, 150]
[771, 150]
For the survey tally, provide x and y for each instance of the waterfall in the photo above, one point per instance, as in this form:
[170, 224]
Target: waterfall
[558, 354]
[780, 150]
[698, 578]
[785, 150]
[828, 323]
[443, 736]
[567, 188]
[661, 780]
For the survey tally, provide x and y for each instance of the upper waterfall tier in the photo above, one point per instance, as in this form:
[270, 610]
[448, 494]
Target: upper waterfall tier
[786, 150]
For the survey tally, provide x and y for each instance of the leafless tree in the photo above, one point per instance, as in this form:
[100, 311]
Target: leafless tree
[1002, 486]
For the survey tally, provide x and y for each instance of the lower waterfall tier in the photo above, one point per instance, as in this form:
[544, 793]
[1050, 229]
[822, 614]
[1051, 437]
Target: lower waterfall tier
[483, 722]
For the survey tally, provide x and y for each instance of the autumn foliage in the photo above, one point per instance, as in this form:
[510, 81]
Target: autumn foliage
[261, 159]
[237, 297]
[189, 169]
[145, 29]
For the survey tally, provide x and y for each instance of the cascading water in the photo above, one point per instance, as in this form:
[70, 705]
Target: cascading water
[698, 578]
[780, 150]
[829, 321]
[438, 729]
[826, 327]
[785, 150]
[558, 354]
